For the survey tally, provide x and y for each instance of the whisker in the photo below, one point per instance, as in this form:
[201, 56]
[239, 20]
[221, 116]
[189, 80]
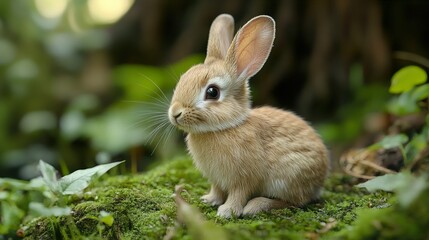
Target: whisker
[150, 121]
[170, 132]
[156, 92]
[145, 117]
[154, 131]
[151, 116]
[150, 125]
[173, 74]
[159, 141]
[148, 103]
[154, 101]
[156, 85]
[151, 112]
[161, 128]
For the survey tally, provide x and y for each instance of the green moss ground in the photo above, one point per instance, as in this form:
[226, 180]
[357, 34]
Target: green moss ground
[143, 208]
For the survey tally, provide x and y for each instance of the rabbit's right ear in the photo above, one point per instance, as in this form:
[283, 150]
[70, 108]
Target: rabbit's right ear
[220, 37]
[251, 47]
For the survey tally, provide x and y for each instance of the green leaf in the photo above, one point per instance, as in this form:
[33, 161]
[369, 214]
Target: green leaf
[4, 195]
[402, 105]
[412, 190]
[13, 183]
[106, 218]
[406, 103]
[420, 92]
[49, 176]
[416, 145]
[388, 182]
[406, 78]
[10, 216]
[77, 181]
[391, 142]
[39, 209]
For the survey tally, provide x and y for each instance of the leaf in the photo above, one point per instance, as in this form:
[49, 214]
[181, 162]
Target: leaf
[406, 103]
[13, 183]
[4, 195]
[106, 218]
[420, 92]
[49, 176]
[403, 104]
[388, 182]
[411, 191]
[39, 209]
[77, 181]
[406, 78]
[390, 142]
[416, 145]
[10, 216]
[37, 183]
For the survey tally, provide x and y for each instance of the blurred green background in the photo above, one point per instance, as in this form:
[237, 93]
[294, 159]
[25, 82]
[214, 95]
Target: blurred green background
[83, 81]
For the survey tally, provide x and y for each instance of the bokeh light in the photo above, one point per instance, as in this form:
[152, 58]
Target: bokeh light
[51, 8]
[104, 12]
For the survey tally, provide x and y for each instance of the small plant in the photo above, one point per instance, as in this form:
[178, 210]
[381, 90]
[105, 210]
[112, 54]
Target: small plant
[408, 133]
[410, 83]
[410, 185]
[75, 182]
[22, 201]
[407, 83]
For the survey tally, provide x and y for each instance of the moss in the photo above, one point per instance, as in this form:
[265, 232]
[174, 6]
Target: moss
[143, 208]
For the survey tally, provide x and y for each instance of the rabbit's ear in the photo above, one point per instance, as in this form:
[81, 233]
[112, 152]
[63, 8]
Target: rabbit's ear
[220, 37]
[251, 46]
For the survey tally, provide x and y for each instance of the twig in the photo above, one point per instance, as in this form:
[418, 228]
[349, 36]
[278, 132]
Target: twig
[409, 56]
[376, 166]
[358, 175]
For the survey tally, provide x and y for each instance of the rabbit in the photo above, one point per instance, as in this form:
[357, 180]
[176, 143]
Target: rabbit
[255, 159]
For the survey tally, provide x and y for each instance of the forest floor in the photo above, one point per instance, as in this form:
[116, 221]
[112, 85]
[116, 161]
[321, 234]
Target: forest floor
[144, 207]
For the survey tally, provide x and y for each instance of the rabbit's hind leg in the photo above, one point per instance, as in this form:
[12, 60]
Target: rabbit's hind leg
[263, 204]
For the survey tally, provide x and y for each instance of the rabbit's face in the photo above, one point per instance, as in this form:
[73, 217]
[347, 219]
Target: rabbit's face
[206, 100]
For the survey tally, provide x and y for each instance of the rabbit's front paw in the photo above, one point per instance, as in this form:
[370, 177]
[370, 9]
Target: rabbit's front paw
[212, 199]
[227, 211]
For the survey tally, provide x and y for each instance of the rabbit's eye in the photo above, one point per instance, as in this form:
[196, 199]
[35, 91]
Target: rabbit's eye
[212, 93]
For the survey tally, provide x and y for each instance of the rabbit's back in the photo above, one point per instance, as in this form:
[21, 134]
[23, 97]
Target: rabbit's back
[296, 156]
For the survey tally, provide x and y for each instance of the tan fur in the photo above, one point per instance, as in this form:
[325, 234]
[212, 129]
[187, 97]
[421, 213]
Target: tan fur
[256, 159]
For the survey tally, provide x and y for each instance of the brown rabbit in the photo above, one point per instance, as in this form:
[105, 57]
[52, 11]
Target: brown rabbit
[256, 159]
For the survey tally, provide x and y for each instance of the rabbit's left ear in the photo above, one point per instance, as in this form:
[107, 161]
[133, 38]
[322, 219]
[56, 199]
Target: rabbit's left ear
[251, 46]
[220, 37]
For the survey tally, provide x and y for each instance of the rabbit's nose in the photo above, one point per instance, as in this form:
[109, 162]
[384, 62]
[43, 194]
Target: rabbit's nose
[175, 112]
[177, 115]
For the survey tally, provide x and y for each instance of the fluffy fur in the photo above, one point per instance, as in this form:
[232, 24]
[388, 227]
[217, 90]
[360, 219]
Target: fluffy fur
[256, 159]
